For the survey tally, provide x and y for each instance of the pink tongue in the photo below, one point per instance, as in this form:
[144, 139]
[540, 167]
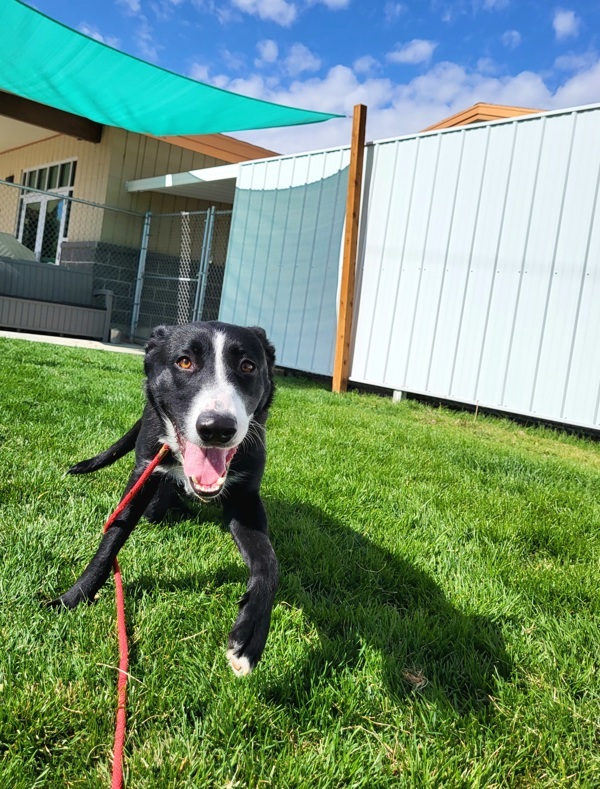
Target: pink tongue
[207, 464]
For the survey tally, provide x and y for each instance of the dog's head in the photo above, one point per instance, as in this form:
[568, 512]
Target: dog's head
[209, 382]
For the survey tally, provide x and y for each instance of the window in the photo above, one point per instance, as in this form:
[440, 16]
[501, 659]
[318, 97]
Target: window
[44, 218]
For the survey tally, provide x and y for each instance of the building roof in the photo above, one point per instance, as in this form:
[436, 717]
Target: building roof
[210, 183]
[49, 63]
[221, 146]
[480, 113]
[25, 122]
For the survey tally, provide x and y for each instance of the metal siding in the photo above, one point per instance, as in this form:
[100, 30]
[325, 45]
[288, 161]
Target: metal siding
[283, 256]
[297, 227]
[481, 282]
[523, 309]
[457, 261]
[570, 268]
[478, 271]
[433, 261]
[478, 276]
[320, 217]
[256, 262]
[378, 283]
[530, 313]
[582, 393]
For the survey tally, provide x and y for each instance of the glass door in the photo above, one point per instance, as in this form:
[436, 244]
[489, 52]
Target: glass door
[42, 226]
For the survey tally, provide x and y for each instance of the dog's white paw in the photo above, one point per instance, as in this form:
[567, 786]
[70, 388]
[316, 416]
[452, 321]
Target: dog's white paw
[240, 665]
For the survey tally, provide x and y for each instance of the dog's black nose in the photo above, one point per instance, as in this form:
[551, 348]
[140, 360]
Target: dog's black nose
[216, 428]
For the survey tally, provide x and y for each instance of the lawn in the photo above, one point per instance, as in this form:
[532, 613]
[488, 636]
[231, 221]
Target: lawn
[436, 623]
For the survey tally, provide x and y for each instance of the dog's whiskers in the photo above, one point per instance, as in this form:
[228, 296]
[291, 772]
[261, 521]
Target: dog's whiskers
[254, 438]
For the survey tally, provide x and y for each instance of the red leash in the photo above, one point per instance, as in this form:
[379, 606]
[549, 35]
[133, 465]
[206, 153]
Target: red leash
[117, 772]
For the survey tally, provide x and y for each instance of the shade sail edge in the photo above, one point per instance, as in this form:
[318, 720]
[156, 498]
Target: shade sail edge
[47, 62]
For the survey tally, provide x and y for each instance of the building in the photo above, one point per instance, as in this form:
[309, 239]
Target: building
[44, 149]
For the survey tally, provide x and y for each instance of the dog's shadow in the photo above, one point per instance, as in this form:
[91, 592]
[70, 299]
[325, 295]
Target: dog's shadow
[362, 598]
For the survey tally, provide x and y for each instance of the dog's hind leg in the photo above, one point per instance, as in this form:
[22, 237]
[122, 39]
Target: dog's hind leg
[96, 573]
[120, 448]
[247, 521]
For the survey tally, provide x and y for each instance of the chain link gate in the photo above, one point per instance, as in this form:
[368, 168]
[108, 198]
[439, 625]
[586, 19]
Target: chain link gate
[181, 267]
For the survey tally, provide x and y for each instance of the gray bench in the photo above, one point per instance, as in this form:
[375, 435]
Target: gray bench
[40, 297]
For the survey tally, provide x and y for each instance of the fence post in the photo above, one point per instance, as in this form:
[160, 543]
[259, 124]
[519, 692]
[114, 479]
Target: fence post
[139, 284]
[341, 367]
[204, 263]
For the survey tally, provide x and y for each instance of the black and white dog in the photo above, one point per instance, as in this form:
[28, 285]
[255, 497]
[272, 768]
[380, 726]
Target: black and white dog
[208, 389]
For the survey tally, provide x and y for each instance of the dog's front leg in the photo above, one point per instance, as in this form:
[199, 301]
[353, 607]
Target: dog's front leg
[247, 521]
[95, 574]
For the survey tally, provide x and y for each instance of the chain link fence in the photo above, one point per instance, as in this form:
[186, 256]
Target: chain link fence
[161, 268]
[182, 266]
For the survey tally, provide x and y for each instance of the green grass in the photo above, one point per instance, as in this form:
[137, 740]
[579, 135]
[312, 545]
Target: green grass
[437, 622]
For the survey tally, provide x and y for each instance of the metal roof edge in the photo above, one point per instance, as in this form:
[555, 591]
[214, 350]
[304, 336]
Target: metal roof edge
[222, 172]
[495, 122]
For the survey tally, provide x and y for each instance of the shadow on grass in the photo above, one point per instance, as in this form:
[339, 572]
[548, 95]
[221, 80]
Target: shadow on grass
[360, 595]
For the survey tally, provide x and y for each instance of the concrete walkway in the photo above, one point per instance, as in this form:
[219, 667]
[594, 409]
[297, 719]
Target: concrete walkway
[73, 342]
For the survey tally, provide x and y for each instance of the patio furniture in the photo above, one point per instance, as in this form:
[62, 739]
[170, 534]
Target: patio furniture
[41, 297]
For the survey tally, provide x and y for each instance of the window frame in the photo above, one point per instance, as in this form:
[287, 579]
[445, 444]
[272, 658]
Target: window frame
[44, 196]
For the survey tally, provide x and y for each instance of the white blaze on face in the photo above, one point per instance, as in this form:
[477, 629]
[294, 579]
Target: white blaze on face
[219, 396]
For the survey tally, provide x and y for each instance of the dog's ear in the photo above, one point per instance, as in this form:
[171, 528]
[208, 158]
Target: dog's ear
[269, 347]
[158, 336]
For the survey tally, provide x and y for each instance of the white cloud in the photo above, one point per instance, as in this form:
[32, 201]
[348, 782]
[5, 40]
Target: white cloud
[145, 42]
[164, 9]
[143, 37]
[487, 66]
[573, 62]
[416, 51]
[279, 11]
[396, 109]
[392, 11]
[268, 51]
[132, 7]
[93, 32]
[365, 65]
[495, 5]
[334, 5]
[511, 39]
[301, 59]
[581, 88]
[201, 72]
[565, 24]
[233, 60]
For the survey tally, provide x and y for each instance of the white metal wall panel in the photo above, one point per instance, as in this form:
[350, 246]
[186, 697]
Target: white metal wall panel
[387, 244]
[568, 271]
[283, 256]
[457, 262]
[479, 266]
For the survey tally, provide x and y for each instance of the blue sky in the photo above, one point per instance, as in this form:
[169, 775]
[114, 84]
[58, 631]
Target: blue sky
[412, 63]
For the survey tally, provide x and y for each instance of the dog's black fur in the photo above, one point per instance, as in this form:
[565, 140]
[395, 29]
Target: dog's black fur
[208, 390]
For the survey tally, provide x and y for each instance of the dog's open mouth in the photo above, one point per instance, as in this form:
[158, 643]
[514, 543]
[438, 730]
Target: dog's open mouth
[206, 467]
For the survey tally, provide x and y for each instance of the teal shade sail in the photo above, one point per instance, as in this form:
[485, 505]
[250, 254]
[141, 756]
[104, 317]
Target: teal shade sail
[47, 62]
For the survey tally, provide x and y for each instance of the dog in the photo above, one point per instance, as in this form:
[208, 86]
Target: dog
[208, 390]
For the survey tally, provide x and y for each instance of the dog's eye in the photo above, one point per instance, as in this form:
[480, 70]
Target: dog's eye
[184, 362]
[246, 366]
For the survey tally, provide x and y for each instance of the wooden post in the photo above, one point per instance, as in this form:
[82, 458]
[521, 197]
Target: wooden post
[341, 366]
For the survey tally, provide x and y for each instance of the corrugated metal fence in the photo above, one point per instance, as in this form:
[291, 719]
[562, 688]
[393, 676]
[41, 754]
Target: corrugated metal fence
[480, 275]
[283, 255]
[478, 272]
